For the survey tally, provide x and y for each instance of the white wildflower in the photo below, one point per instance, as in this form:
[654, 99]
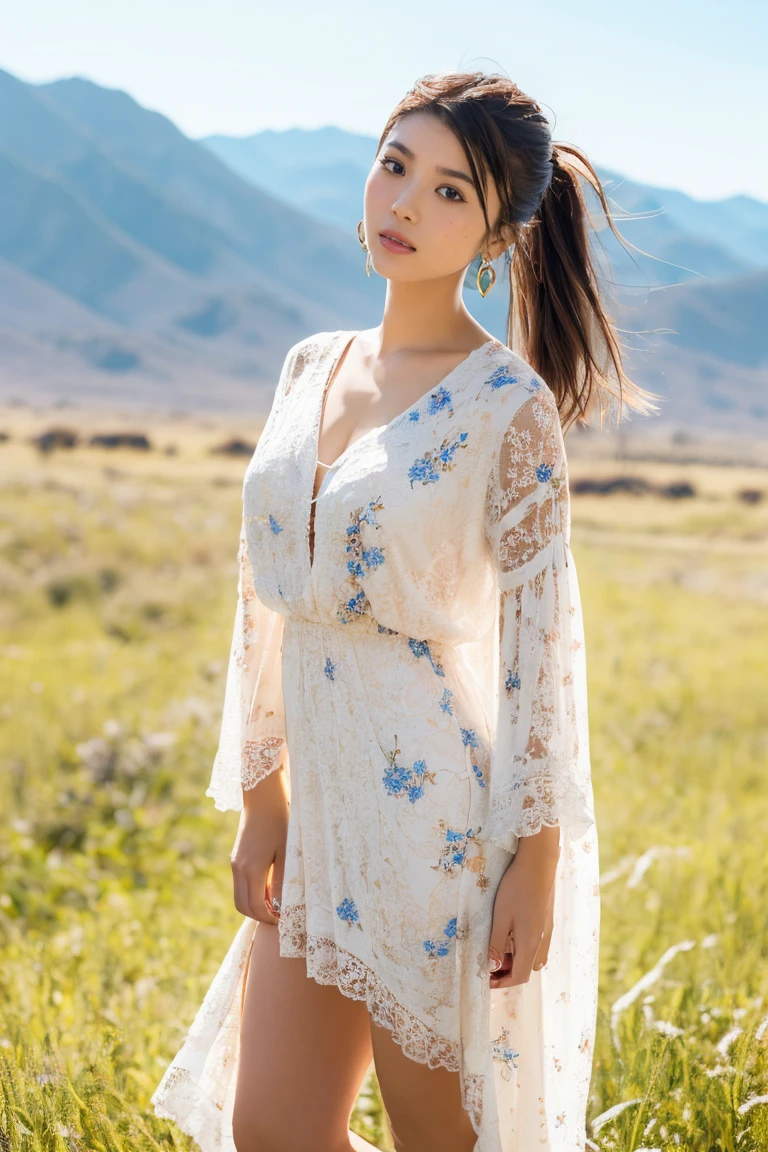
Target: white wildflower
[612, 1113]
[750, 1102]
[668, 1029]
[724, 1045]
[646, 981]
[644, 862]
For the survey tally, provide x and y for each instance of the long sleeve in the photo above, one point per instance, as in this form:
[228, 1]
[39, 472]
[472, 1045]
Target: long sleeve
[540, 772]
[252, 741]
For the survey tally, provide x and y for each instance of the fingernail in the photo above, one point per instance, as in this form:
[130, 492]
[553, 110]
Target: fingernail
[494, 960]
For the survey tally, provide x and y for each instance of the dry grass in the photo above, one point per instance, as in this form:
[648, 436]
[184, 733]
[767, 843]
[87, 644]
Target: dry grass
[117, 572]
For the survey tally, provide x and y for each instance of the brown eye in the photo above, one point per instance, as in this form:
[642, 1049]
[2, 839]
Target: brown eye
[449, 187]
[391, 160]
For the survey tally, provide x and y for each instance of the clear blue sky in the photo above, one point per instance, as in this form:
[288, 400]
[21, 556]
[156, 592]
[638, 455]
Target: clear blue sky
[672, 92]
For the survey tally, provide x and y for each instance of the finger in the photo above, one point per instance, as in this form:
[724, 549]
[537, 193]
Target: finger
[518, 971]
[245, 887]
[240, 891]
[542, 952]
[274, 887]
[275, 881]
[500, 942]
[261, 903]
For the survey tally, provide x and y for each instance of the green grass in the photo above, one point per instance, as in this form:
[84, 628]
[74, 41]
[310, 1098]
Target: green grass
[117, 596]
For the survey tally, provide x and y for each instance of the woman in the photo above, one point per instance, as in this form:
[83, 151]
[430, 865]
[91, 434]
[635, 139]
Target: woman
[405, 724]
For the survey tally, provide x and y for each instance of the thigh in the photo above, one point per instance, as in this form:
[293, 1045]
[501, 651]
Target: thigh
[305, 1049]
[423, 1104]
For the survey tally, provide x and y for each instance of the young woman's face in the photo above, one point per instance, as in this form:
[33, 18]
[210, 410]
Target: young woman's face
[420, 191]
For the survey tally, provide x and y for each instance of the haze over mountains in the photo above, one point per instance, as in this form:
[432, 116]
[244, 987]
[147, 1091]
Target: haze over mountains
[140, 267]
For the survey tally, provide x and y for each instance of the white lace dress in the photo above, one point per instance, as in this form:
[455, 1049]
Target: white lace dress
[433, 701]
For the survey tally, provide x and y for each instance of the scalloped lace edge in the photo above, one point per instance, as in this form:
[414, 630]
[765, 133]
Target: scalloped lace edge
[329, 963]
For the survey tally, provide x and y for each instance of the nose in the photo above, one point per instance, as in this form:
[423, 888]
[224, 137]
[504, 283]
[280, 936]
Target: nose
[404, 207]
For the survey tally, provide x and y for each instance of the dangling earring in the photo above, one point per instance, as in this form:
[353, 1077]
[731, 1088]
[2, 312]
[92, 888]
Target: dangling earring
[486, 271]
[364, 246]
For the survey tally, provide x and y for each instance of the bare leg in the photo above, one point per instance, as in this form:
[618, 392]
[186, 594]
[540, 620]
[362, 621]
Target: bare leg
[423, 1104]
[305, 1049]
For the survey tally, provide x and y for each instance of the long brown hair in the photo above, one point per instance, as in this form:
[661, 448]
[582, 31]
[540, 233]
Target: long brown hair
[556, 320]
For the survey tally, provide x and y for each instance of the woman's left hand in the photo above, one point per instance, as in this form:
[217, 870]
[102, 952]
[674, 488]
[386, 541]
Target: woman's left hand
[523, 909]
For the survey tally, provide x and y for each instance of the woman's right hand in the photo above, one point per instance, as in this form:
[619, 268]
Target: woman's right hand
[259, 846]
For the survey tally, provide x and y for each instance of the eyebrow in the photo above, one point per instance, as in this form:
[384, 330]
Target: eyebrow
[443, 171]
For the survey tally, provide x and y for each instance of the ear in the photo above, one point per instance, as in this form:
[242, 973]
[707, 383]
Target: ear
[502, 241]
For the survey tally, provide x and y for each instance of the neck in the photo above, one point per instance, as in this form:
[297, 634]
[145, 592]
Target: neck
[426, 316]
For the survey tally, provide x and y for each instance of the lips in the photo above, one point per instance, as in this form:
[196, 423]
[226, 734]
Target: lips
[395, 242]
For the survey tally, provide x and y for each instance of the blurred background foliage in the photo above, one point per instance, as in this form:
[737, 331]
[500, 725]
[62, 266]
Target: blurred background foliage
[118, 579]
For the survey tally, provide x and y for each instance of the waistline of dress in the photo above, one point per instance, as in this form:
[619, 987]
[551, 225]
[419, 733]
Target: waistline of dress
[296, 624]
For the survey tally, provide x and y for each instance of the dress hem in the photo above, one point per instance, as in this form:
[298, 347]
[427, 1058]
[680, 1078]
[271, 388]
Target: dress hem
[330, 963]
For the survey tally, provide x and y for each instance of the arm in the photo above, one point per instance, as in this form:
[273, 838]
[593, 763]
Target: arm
[540, 774]
[540, 766]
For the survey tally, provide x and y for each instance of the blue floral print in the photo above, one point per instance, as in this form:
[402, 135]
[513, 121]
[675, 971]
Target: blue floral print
[505, 1054]
[479, 774]
[274, 524]
[501, 376]
[427, 468]
[347, 910]
[373, 557]
[329, 668]
[421, 648]
[469, 736]
[360, 560]
[512, 681]
[455, 854]
[454, 850]
[445, 701]
[401, 781]
[436, 948]
[439, 399]
[544, 472]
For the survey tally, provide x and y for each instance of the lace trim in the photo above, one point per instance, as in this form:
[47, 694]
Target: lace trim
[259, 758]
[549, 797]
[329, 963]
[195, 1113]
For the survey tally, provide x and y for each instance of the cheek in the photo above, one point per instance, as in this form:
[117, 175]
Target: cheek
[375, 192]
[456, 240]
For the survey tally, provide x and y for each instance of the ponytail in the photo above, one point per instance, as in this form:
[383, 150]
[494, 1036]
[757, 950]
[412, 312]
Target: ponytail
[556, 317]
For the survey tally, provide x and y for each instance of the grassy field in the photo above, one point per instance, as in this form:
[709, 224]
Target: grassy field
[117, 571]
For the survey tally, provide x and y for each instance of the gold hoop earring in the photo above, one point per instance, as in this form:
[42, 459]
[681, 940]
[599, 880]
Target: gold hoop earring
[364, 246]
[486, 271]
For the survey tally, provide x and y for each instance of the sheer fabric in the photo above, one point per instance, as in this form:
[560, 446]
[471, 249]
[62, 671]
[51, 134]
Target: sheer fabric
[539, 776]
[422, 679]
[252, 741]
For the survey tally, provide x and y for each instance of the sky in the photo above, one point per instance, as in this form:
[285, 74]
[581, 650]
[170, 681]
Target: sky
[668, 92]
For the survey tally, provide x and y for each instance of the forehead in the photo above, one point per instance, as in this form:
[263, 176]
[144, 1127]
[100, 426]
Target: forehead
[435, 145]
[428, 138]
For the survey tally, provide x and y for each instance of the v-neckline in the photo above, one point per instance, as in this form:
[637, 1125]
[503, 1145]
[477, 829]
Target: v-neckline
[341, 348]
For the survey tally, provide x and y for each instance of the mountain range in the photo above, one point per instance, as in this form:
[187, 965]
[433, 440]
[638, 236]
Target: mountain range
[142, 268]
